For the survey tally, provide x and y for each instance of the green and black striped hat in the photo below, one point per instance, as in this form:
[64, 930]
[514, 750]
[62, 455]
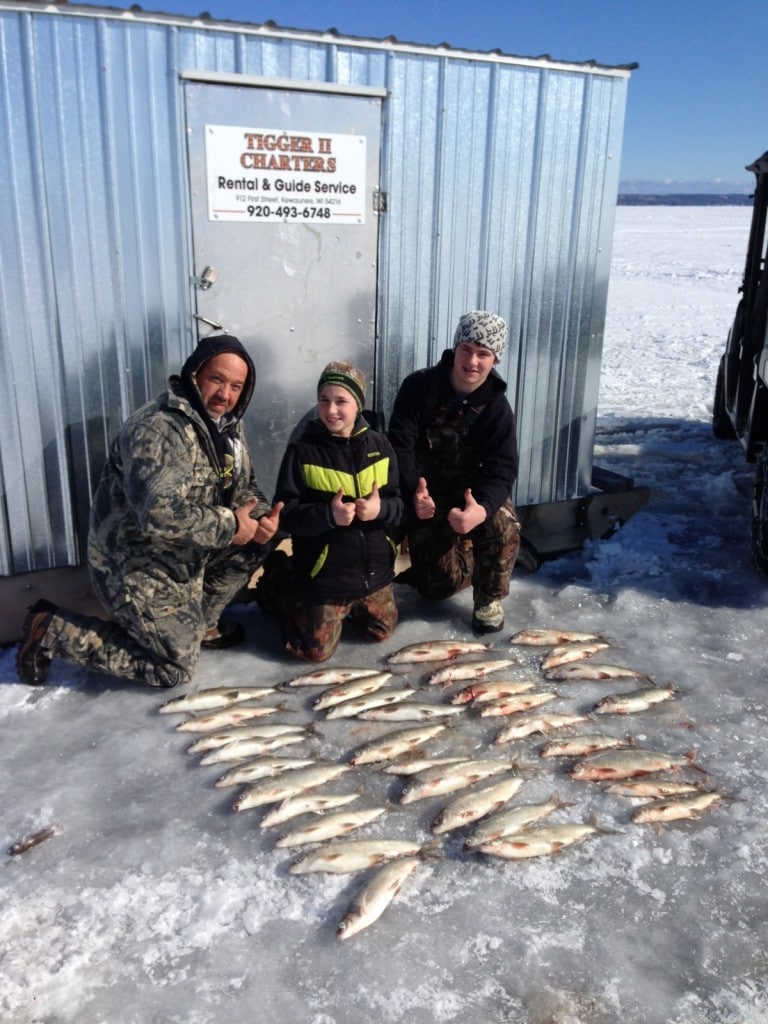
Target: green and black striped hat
[345, 375]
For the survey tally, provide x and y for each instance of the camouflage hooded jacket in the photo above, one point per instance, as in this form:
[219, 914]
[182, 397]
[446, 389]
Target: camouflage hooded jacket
[159, 513]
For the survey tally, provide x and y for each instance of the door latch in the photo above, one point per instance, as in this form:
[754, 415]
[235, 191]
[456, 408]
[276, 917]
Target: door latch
[206, 279]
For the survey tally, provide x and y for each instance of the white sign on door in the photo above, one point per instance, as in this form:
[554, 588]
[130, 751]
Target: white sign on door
[264, 175]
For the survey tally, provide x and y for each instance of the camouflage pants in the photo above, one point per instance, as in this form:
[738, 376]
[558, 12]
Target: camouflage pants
[151, 640]
[444, 562]
[312, 631]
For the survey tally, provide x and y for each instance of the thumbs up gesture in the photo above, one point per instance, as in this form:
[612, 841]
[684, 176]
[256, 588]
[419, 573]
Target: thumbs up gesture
[343, 512]
[423, 504]
[368, 509]
[246, 527]
[466, 519]
[266, 526]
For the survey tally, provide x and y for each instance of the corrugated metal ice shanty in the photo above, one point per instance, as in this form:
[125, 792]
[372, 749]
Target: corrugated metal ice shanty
[489, 181]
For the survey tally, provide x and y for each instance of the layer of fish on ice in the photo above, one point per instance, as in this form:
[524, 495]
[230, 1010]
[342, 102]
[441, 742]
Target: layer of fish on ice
[455, 782]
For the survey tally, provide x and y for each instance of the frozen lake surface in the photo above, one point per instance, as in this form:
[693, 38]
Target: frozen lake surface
[156, 902]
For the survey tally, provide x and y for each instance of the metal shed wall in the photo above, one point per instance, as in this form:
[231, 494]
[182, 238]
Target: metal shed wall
[501, 175]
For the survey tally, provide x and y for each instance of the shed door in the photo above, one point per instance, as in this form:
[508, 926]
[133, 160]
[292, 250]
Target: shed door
[285, 237]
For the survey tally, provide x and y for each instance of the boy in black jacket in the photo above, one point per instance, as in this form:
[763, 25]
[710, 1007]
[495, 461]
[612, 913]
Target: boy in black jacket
[342, 508]
[453, 431]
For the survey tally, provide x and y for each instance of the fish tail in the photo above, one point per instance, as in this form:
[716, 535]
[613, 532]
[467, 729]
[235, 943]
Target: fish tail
[603, 829]
[432, 850]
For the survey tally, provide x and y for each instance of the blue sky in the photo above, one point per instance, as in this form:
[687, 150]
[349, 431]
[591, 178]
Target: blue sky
[697, 109]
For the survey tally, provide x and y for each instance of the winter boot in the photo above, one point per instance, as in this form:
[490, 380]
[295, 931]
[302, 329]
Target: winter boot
[488, 615]
[32, 662]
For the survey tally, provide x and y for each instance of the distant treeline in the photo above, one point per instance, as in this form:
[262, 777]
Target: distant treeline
[685, 199]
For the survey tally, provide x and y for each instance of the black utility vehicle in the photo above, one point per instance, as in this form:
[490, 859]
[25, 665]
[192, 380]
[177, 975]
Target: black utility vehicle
[741, 393]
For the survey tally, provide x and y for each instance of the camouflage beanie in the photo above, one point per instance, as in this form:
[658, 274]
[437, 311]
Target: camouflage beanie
[345, 375]
[483, 328]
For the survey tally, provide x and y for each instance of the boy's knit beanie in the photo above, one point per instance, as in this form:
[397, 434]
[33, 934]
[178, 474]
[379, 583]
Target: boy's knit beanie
[345, 375]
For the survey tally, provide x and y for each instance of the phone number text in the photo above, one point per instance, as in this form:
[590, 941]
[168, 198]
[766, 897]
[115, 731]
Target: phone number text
[291, 212]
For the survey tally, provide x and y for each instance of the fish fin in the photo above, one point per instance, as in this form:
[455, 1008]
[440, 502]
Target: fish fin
[691, 756]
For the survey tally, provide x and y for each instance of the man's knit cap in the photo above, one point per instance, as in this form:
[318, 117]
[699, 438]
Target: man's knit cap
[483, 328]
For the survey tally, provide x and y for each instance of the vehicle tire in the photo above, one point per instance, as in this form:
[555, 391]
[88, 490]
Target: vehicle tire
[760, 516]
[722, 427]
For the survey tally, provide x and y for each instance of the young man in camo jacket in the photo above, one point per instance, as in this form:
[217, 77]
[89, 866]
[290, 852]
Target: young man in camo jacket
[453, 431]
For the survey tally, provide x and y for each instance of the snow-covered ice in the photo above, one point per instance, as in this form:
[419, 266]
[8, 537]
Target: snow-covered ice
[156, 902]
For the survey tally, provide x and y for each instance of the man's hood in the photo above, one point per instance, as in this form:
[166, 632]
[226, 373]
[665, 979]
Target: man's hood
[208, 348]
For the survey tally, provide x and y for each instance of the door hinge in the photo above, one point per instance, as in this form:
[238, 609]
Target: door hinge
[379, 201]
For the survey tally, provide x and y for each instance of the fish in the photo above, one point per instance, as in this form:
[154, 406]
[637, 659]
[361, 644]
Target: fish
[357, 705]
[330, 676]
[527, 724]
[349, 855]
[651, 788]
[538, 842]
[625, 764]
[242, 750]
[449, 778]
[349, 689]
[261, 768]
[272, 791]
[411, 710]
[436, 650]
[305, 803]
[419, 764]
[475, 804]
[636, 700]
[590, 670]
[34, 839]
[492, 689]
[393, 744]
[330, 826]
[552, 637]
[675, 808]
[263, 730]
[376, 895]
[216, 697]
[224, 718]
[515, 703]
[468, 670]
[512, 821]
[579, 746]
[567, 653]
